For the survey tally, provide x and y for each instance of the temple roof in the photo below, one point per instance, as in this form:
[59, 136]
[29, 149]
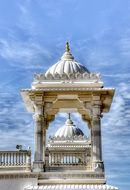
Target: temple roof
[68, 72]
[66, 65]
[69, 130]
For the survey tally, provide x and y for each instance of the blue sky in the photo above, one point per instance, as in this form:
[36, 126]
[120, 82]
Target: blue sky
[32, 38]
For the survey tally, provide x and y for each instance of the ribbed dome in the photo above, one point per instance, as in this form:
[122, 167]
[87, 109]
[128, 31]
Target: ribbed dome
[69, 130]
[66, 65]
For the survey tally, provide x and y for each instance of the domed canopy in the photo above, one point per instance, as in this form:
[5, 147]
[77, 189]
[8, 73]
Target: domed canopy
[67, 73]
[66, 65]
[69, 130]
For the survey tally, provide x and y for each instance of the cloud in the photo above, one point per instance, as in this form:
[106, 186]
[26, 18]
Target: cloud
[119, 109]
[26, 21]
[124, 44]
[116, 133]
[118, 75]
[29, 54]
[15, 124]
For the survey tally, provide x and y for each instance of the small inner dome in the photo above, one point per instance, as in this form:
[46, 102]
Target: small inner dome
[69, 130]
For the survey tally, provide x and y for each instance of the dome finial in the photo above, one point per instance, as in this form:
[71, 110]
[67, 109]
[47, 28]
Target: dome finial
[67, 48]
[68, 115]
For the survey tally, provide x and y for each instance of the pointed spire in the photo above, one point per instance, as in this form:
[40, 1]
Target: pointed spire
[69, 120]
[67, 48]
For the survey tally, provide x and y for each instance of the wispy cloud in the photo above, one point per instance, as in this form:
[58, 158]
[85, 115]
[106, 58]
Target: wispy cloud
[28, 54]
[118, 75]
[19, 127]
[124, 44]
[116, 133]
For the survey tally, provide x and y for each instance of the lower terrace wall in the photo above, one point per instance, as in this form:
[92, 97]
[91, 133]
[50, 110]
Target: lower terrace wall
[17, 183]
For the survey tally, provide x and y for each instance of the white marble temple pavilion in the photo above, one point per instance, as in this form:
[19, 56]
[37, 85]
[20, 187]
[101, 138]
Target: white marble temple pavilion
[69, 159]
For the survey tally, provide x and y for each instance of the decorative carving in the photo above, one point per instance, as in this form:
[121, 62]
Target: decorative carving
[39, 77]
[98, 166]
[80, 137]
[38, 108]
[72, 76]
[78, 75]
[48, 106]
[38, 117]
[64, 76]
[57, 76]
[49, 76]
[96, 110]
[86, 75]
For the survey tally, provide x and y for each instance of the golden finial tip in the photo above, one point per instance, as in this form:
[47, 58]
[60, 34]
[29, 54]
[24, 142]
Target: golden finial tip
[67, 47]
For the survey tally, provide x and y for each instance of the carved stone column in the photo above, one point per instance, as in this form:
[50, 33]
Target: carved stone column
[44, 141]
[46, 159]
[39, 119]
[97, 163]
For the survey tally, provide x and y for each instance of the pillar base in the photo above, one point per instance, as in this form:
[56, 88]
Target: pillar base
[98, 166]
[38, 166]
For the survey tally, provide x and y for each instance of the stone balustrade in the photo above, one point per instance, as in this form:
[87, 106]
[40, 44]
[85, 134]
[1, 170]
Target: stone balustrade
[16, 160]
[66, 160]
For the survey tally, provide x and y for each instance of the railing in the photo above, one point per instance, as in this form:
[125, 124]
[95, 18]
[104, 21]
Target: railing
[66, 159]
[16, 160]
